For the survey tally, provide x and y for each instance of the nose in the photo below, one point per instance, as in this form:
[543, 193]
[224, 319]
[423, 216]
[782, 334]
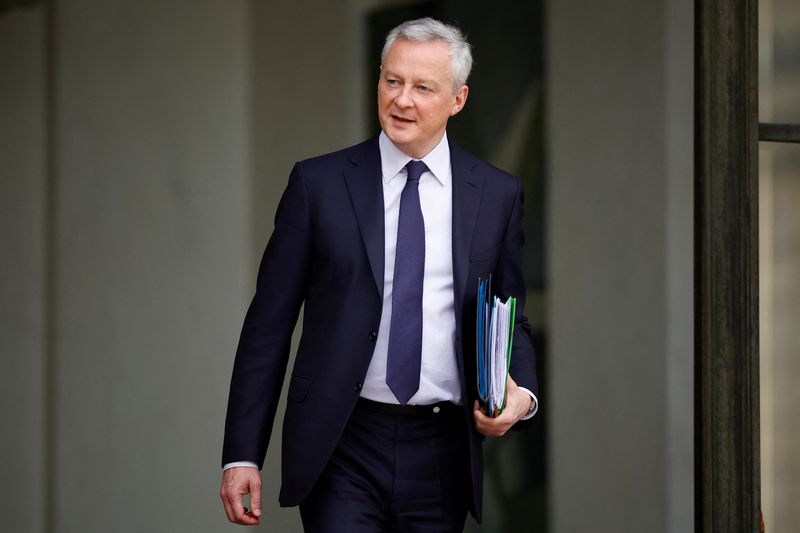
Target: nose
[403, 99]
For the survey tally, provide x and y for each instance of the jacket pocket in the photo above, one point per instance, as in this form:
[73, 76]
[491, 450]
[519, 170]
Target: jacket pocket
[298, 388]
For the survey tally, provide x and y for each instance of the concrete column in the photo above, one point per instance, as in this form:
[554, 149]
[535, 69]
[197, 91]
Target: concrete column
[679, 166]
[153, 188]
[620, 258]
[22, 269]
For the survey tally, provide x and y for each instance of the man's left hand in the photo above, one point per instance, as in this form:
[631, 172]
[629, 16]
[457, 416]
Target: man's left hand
[518, 403]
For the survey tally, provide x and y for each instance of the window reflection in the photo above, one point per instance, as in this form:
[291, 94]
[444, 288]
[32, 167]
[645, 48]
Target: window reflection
[779, 223]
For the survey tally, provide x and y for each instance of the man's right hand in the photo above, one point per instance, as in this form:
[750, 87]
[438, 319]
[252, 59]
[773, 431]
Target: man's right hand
[236, 483]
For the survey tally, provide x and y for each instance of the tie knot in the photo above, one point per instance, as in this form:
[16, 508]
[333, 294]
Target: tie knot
[415, 169]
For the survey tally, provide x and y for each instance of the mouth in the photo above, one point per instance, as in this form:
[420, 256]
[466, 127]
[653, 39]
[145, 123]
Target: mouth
[402, 120]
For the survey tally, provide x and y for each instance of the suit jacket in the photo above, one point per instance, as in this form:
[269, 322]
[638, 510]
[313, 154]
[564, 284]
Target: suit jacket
[327, 252]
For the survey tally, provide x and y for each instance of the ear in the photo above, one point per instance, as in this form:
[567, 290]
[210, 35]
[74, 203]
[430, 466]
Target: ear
[460, 100]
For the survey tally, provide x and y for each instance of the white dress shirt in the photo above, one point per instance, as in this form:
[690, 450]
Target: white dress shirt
[439, 376]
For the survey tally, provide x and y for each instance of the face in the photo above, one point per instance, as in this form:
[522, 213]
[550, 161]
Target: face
[415, 95]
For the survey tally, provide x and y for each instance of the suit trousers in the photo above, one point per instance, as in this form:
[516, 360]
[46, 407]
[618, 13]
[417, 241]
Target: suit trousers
[394, 472]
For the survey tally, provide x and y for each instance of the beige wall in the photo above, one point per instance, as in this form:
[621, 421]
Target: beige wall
[620, 256]
[153, 222]
[151, 264]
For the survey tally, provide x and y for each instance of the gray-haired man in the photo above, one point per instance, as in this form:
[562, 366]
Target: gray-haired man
[384, 242]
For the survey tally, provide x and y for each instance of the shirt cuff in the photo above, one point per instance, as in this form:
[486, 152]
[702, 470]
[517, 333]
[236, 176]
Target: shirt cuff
[534, 406]
[248, 464]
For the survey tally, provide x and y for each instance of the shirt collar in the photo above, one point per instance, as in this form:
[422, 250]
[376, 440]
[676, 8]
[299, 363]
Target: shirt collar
[393, 160]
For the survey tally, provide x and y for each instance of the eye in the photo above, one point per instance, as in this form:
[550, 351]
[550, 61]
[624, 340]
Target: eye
[423, 88]
[391, 82]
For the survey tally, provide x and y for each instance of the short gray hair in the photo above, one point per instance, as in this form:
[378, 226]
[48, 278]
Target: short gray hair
[428, 29]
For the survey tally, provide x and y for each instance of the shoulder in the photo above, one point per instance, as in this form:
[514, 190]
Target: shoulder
[325, 164]
[496, 177]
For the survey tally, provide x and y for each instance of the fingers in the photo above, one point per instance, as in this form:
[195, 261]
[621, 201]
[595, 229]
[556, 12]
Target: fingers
[514, 411]
[255, 499]
[236, 483]
[492, 427]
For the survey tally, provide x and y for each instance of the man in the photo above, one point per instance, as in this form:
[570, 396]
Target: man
[384, 242]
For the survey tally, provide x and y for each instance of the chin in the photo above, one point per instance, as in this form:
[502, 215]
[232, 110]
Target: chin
[399, 140]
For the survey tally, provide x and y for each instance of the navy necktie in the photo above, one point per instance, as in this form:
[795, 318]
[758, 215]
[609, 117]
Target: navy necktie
[404, 357]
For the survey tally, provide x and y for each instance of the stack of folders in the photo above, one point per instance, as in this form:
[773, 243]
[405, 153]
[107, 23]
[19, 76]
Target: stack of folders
[495, 328]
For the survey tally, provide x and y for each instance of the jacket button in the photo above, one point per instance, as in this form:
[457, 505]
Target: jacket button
[357, 387]
[373, 335]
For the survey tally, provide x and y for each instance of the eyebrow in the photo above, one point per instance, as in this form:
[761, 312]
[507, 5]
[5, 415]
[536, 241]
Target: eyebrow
[388, 72]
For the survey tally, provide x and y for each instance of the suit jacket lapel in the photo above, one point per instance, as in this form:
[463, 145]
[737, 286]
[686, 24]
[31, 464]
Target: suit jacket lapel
[467, 192]
[364, 183]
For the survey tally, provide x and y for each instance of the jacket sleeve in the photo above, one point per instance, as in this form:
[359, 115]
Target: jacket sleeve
[263, 350]
[509, 280]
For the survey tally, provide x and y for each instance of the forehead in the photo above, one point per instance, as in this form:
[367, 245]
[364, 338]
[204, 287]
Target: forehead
[418, 58]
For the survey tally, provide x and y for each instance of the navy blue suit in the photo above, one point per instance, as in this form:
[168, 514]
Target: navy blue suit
[327, 251]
